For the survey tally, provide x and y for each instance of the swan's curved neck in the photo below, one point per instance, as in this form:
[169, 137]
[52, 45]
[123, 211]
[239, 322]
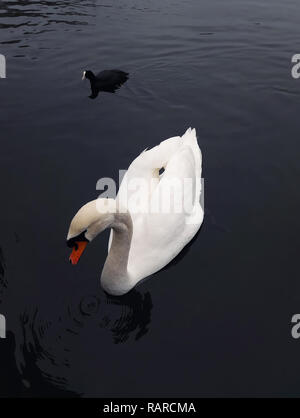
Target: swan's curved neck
[115, 276]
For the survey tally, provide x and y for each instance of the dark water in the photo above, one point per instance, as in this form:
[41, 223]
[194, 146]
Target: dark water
[217, 322]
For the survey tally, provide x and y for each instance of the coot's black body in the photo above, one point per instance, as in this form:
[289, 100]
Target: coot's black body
[107, 80]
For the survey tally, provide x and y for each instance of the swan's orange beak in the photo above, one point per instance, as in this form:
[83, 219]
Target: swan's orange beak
[77, 251]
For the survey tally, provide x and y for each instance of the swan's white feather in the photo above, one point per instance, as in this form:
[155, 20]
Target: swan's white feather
[159, 237]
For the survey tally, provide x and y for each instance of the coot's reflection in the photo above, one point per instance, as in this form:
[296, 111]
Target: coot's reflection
[59, 349]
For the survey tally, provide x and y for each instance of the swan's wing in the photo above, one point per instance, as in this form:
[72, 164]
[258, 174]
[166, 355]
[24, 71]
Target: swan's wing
[178, 191]
[174, 219]
[190, 139]
[157, 157]
[142, 175]
[182, 175]
[181, 158]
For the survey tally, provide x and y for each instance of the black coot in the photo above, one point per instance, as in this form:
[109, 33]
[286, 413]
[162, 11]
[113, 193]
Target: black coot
[107, 80]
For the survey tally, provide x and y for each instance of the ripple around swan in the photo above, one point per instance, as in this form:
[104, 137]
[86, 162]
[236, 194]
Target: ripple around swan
[49, 350]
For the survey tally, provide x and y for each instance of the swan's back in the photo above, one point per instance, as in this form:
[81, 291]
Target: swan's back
[179, 156]
[161, 233]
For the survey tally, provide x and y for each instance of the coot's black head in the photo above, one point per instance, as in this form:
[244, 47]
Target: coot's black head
[88, 74]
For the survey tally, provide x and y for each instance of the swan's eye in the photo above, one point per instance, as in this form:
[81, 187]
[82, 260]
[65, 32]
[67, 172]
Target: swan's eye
[73, 242]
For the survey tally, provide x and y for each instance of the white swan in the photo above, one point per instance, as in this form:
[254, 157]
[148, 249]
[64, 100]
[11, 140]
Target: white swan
[153, 217]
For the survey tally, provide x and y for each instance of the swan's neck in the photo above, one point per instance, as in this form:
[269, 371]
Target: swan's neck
[115, 277]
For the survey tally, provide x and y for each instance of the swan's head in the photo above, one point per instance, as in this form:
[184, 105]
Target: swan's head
[88, 74]
[88, 222]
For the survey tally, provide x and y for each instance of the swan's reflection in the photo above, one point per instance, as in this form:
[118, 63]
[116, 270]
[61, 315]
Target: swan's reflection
[58, 349]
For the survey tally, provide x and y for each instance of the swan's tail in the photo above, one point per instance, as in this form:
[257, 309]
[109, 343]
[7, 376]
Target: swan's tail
[158, 157]
[190, 139]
